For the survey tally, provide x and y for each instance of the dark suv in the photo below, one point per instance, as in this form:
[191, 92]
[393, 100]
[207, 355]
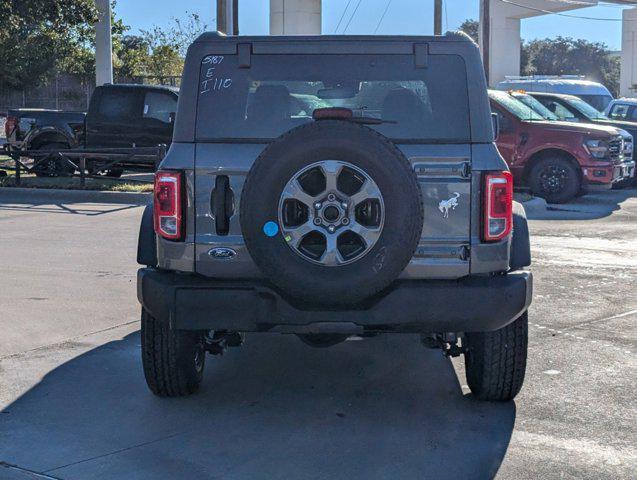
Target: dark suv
[328, 187]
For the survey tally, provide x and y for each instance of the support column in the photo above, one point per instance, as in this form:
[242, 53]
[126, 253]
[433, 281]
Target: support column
[628, 76]
[504, 48]
[295, 17]
[504, 28]
[103, 45]
[228, 16]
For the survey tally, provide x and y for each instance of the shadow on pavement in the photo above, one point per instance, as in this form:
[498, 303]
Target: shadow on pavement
[56, 207]
[275, 408]
[588, 207]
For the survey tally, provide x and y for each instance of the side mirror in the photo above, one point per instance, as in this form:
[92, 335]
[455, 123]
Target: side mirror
[172, 116]
[495, 122]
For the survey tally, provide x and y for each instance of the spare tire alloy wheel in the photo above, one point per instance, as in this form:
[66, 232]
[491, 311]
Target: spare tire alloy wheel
[331, 213]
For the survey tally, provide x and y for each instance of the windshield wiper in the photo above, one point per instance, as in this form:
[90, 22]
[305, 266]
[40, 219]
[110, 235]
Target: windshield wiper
[370, 120]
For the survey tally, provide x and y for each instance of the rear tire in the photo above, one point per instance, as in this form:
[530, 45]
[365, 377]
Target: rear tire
[173, 360]
[555, 179]
[55, 166]
[496, 361]
[114, 172]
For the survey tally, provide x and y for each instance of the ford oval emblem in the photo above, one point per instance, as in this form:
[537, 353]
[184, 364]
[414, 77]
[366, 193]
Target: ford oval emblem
[222, 253]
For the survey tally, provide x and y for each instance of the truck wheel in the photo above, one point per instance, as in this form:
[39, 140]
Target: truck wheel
[53, 167]
[496, 361]
[555, 179]
[114, 172]
[173, 360]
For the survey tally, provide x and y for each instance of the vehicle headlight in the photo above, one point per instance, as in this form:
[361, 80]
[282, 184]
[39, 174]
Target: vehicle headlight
[597, 148]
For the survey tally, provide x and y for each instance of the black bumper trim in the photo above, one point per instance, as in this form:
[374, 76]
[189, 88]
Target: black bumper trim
[478, 303]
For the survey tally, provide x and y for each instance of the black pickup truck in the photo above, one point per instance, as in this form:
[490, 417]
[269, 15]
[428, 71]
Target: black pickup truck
[119, 116]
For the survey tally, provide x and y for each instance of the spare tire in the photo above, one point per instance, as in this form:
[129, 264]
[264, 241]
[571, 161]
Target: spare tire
[331, 212]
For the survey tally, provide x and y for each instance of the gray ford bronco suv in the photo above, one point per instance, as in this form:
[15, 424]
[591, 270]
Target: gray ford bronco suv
[334, 186]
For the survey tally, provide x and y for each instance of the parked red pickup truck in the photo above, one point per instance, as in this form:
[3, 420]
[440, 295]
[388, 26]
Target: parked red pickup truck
[557, 160]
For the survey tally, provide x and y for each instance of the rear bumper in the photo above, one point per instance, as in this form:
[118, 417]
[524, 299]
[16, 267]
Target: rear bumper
[478, 303]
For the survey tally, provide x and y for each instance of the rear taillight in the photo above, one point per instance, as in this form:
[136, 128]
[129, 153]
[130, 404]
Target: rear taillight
[168, 215]
[10, 125]
[497, 205]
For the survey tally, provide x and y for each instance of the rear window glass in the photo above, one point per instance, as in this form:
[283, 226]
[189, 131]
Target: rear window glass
[160, 106]
[280, 92]
[118, 104]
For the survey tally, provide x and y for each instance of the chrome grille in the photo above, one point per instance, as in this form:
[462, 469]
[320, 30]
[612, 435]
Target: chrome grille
[616, 150]
[628, 150]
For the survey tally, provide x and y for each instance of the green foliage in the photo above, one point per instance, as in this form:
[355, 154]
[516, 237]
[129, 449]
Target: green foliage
[160, 52]
[35, 33]
[80, 58]
[39, 38]
[472, 28]
[565, 56]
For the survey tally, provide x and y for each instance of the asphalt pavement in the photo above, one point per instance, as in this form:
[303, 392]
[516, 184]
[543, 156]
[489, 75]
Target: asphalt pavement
[74, 405]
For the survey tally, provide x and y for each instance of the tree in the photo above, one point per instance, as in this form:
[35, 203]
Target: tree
[568, 56]
[80, 56]
[34, 34]
[166, 47]
[472, 28]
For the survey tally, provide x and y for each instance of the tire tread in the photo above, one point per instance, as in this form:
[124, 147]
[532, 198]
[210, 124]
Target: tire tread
[163, 352]
[496, 361]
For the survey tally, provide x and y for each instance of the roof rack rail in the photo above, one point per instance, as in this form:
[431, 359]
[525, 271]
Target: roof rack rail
[545, 77]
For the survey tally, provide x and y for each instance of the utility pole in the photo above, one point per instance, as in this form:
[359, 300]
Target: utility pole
[228, 16]
[485, 35]
[437, 17]
[103, 44]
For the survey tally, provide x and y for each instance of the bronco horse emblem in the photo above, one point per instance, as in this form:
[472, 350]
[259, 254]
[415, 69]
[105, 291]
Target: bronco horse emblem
[445, 205]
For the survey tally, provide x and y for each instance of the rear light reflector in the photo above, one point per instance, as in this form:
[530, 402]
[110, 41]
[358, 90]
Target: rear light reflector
[497, 206]
[167, 208]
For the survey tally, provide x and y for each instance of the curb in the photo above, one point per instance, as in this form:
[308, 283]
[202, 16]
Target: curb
[42, 195]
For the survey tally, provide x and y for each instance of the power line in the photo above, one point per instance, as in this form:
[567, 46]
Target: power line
[541, 10]
[382, 16]
[585, 4]
[353, 15]
[444, 7]
[342, 15]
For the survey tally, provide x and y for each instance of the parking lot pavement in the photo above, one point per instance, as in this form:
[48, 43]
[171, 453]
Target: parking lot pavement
[74, 404]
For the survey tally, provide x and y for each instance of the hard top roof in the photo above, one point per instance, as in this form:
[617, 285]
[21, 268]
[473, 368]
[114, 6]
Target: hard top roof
[628, 100]
[578, 86]
[141, 85]
[454, 36]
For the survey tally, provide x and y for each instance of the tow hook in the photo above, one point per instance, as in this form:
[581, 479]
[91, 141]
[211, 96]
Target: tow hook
[216, 343]
[447, 342]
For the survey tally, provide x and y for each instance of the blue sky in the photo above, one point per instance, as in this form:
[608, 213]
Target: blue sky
[403, 17]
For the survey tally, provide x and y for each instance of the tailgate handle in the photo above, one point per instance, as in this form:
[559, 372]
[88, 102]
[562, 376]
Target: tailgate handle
[222, 204]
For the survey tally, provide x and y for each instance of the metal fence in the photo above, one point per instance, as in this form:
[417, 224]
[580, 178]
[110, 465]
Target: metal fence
[66, 92]
[63, 92]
